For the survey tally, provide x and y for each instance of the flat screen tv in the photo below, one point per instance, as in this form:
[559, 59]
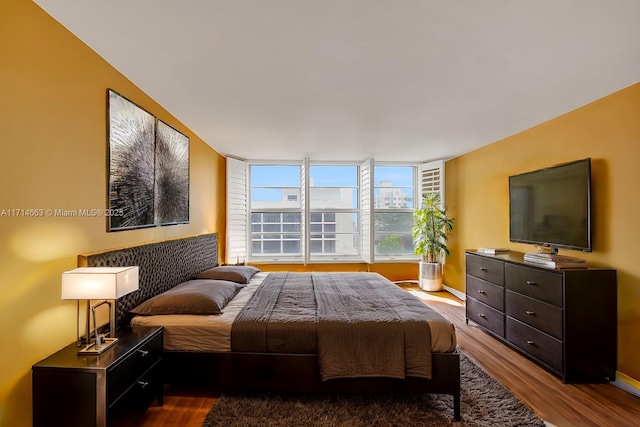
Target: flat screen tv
[552, 207]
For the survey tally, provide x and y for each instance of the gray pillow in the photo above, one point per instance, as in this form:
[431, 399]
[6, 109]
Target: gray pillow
[191, 297]
[234, 273]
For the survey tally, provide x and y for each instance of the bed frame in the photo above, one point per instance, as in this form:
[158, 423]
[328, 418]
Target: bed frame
[167, 263]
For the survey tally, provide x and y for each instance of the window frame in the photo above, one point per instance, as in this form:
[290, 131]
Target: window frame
[356, 234]
[273, 257]
[399, 257]
[428, 177]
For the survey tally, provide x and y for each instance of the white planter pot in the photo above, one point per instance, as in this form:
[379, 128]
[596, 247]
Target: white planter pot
[430, 276]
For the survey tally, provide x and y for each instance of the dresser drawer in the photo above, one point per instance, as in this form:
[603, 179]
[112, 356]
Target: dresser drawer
[539, 345]
[540, 315]
[536, 283]
[491, 270]
[485, 316]
[486, 292]
[137, 398]
[136, 363]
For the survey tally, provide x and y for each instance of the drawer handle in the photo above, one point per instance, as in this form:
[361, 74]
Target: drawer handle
[143, 384]
[482, 292]
[530, 313]
[483, 269]
[530, 342]
[143, 353]
[530, 282]
[482, 315]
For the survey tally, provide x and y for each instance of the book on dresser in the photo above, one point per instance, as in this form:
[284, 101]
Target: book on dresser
[493, 251]
[554, 260]
[565, 320]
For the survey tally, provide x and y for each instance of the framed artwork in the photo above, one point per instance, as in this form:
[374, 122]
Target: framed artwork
[171, 176]
[132, 134]
[148, 169]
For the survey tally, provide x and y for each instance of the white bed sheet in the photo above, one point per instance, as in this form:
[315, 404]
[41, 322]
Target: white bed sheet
[186, 332]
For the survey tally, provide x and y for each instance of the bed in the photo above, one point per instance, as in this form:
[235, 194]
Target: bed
[243, 348]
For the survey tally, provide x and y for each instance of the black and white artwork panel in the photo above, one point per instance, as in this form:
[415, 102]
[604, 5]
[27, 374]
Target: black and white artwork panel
[131, 164]
[172, 176]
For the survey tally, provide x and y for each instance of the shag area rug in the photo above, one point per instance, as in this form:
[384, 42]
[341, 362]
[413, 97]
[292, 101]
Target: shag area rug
[484, 402]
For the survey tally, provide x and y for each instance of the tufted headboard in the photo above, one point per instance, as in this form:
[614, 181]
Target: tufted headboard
[163, 265]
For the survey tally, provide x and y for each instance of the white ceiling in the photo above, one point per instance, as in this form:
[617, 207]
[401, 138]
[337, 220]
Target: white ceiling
[404, 80]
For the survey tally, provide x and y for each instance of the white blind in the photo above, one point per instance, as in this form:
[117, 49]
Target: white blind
[432, 179]
[366, 210]
[236, 211]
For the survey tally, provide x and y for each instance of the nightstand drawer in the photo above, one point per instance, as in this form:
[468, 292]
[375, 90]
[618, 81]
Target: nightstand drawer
[134, 402]
[491, 270]
[486, 292]
[536, 283]
[540, 315]
[137, 362]
[485, 316]
[539, 345]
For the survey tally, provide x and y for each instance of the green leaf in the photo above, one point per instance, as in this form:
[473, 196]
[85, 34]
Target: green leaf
[430, 229]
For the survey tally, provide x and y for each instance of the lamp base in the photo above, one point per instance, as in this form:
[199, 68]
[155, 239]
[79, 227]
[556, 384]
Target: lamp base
[91, 348]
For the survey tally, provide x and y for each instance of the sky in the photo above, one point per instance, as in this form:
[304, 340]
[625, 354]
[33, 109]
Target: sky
[322, 176]
[327, 176]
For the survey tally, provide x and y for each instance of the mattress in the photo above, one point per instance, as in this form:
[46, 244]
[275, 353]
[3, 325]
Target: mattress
[213, 333]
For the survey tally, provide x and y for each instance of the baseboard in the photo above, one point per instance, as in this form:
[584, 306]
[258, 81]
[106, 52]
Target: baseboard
[457, 293]
[626, 383]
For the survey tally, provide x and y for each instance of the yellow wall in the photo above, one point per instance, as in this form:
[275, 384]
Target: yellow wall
[53, 131]
[608, 131]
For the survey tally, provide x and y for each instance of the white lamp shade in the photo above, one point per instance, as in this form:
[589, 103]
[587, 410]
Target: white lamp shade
[99, 282]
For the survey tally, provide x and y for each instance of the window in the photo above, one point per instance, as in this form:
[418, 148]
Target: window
[321, 212]
[276, 212]
[394, 203]
[333, 212]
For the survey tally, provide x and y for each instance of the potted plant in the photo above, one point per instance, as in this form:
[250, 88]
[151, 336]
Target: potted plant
[429, 232]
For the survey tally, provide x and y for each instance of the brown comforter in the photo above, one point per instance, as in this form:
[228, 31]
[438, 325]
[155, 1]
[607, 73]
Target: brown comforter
[359, 324]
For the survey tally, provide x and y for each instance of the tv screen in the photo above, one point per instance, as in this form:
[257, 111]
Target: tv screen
[552, 206]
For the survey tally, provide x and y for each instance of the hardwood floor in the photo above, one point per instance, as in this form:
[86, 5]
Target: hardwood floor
[183, 407]
[597, 405]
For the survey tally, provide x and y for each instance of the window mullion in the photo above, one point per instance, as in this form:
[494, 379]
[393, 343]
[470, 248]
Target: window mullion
[305, 214]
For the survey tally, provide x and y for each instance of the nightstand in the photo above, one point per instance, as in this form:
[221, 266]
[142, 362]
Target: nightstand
[111, 389]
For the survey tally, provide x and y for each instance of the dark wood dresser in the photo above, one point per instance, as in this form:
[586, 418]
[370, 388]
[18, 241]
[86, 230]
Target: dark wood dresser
[111, 389]
[565, 320]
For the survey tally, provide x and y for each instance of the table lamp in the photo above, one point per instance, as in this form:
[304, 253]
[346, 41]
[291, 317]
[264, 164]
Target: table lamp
[98, 283]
